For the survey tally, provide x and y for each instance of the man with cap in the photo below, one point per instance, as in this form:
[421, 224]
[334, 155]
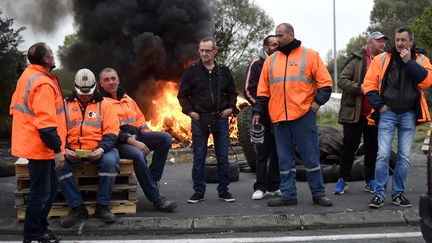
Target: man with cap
[353, 112]
[93, 126]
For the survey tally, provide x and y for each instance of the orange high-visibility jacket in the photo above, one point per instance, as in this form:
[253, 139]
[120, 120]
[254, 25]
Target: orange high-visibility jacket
[375, 74]
[129, 113]
[37, 103]
[86, 126]
[291, 82]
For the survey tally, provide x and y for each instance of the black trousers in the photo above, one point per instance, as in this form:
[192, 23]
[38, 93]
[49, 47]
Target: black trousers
[267, 174]
[352, 135]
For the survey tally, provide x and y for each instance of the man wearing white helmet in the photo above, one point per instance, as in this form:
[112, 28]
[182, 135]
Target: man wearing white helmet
[92, 130]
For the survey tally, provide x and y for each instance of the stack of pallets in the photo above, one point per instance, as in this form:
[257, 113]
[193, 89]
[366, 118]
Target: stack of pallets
[124, 195]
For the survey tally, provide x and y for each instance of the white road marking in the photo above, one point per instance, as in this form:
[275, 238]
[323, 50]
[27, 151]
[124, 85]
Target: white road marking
[262, 239]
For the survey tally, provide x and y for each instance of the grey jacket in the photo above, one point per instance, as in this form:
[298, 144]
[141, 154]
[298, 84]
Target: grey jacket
[350, 81]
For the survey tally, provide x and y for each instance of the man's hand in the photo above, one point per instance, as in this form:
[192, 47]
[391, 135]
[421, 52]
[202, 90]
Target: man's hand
[195, 116]
[405, 55]
[315, 107]
[383, 108]
[255, 119]
[71, 155]
[96, 154]
[138, 144]
[226, 113]
[59, 161]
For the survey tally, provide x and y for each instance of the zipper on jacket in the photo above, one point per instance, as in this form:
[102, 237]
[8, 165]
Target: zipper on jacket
[211, 89]
[285, 101]
[82, 121]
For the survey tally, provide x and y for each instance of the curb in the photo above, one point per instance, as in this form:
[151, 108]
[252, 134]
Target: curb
[213, 224]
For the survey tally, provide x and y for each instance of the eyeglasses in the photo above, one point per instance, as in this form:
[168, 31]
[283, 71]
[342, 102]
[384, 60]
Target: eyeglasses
[206, 50]
[273, 45]
[85, 89]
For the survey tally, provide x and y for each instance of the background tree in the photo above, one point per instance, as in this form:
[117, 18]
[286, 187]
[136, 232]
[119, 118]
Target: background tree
[12, 63]
[240, 27]
[422, 28]
[387, 15]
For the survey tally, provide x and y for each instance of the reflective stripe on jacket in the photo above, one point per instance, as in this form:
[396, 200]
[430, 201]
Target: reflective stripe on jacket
[291, 82]
[129, 113]
[375, 75]
[37, 103]
[86, 126]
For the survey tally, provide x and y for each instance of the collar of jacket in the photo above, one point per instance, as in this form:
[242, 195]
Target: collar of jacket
[96, 97]
[262, 53]
[291, 46]
[396, 56]
[43, 70]
[215, 68]
[103, 93]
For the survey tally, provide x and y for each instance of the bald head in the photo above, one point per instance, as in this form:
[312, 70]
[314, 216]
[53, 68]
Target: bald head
[284, 34]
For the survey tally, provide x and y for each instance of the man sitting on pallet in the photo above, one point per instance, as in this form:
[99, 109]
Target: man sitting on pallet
[93, 128]
[136, 140]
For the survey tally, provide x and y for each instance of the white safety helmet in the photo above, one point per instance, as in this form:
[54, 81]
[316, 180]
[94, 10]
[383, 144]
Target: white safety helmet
[85, 82]
[257, 134]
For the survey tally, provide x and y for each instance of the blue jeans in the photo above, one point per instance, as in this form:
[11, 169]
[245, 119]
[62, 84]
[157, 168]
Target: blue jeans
[160, 144]
[303, 135]
[142, 171]
[405, 123]
[43, 189]
[199, 142]
[108, 168]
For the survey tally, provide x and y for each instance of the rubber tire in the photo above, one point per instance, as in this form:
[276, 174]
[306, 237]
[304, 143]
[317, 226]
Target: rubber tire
[211, 172]
[244, 121]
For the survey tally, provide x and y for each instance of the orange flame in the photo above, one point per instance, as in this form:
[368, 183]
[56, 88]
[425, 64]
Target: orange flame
[170, 117]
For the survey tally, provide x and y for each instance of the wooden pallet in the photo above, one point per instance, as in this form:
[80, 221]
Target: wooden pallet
[86, 168]
[89, 192]
[116, 207]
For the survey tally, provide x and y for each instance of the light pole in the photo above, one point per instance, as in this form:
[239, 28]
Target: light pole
[334, 47]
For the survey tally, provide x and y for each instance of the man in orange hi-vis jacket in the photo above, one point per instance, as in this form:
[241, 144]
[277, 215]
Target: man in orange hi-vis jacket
[38, 134]
[394, 87]
[294, 83]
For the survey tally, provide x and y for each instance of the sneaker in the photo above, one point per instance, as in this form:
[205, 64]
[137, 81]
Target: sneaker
[33, 241]
[74, 215]
[340, 187]
[196, 197]
[103, 212]
[402, 201]
[322, 201]
[376, 202]
[274, 193]
[164, 205]
[226, 196]
[280, 201]
[258, 195]
[50, 237]
[370, 187]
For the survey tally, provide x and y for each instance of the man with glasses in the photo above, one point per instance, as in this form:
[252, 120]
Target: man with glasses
[267, 180]
[208, 96]
[92, 128]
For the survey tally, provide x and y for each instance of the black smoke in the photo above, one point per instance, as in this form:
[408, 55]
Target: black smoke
[144, 40]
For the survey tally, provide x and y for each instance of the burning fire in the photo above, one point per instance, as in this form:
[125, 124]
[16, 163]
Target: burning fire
[170, 117]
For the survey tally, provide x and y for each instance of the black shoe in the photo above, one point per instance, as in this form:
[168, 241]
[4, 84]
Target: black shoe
[280, 201]
[33, 241]
[376, 202]
[196, 197]
[50, 237]
[226, 196]
[322, 201]
[402, 201]
[164, 205]
[74, 215]
[103, 212]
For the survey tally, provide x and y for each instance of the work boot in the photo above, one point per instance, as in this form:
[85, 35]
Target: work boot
[74, 215]
[103, 212]
[164, 205]
[322, 201]
[280, 201]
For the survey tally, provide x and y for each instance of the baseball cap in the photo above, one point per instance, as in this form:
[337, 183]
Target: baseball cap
[376, 35]
[85, 82]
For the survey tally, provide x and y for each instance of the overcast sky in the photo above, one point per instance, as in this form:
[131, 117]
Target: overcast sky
[312, 21]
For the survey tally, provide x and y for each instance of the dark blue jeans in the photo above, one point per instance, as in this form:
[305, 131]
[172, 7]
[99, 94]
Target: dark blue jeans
[43, 189]
[160, 144]
[199, 142]
[142, 171]
[107, 167]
